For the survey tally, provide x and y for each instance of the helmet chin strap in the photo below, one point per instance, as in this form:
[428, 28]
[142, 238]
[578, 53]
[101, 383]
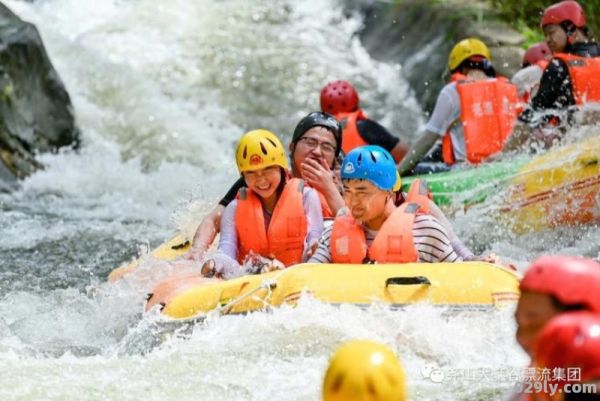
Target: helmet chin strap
[570, 30]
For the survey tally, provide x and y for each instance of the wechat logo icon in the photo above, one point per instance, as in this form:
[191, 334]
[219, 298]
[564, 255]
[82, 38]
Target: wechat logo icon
[432, 372]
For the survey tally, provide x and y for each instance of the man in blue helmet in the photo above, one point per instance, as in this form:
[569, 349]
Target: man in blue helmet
[372, 228]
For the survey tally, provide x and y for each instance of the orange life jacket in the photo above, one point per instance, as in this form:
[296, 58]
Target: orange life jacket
[584, 73]
[284, 238]
[325, 209]
[488, 112]
[420, 194]
[392, 244]
[350, 136]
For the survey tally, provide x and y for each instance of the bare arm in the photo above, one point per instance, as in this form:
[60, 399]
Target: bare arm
[459, 247]
[334, 199]
[206, 233]
[399, 151]
[417, 151]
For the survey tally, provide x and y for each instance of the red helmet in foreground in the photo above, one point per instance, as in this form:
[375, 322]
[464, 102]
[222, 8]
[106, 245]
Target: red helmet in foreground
[570, 341]
[339, 97]
[573, 281]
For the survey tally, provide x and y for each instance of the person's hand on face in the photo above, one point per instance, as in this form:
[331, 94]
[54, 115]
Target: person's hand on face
[317, 174]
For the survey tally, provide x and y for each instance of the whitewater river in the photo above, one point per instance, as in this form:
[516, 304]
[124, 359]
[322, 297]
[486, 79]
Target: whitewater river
[161, 91]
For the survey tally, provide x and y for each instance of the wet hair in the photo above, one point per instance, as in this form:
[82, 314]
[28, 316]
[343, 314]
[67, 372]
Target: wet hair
[477, 63]
[339, 160]
[566, 308]
[282, 183]
[570, 29]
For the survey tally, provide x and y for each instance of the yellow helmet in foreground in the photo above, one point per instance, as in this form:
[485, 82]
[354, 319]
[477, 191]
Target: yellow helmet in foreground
[465, 49]
[364, 371]
[259, 149]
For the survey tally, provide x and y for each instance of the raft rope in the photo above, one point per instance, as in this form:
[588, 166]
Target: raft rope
[268, 284]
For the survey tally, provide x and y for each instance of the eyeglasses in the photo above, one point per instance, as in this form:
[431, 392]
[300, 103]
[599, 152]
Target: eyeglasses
[312, 143]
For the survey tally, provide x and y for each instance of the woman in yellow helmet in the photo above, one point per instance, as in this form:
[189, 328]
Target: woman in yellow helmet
[273, 217]
[364, 370]
[474, 113]
[314, 151]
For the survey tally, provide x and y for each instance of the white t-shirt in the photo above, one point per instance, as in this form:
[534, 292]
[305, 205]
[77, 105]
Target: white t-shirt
[527, 80]
[446, 117]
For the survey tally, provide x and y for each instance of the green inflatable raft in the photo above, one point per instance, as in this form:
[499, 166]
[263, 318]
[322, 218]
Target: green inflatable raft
[468, 185]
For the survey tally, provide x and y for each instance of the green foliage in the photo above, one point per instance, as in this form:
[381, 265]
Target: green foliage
[532, 34]
[525, 16]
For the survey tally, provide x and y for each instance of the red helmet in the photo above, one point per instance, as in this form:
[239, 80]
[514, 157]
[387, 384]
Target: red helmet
[537, 52]
[571, 280]
[339, 97]
[570, 341]
[568, 10]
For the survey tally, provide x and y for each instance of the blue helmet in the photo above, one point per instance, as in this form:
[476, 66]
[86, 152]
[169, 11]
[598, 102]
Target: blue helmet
[372, 163]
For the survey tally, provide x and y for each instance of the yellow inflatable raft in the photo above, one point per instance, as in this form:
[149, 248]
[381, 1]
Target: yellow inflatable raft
[170, 250]
[560, 188]
[466, 285]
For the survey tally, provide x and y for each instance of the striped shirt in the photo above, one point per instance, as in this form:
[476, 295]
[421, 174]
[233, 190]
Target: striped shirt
[430, 239]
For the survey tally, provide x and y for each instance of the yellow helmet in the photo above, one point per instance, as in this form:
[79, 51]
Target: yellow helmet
[398, 183]
[364, 370]
[259, 149]
[465, 49]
